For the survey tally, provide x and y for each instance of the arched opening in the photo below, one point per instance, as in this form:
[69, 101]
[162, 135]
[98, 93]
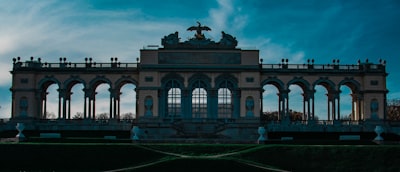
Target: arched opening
[126, 102]
[224, 103]
[102, 102]
[296, 106]
[346, 103]
[199, 102]
[321, 101]
[174, 102]
[76, 102]
[350, 100]
[270, 103]
[51, 104]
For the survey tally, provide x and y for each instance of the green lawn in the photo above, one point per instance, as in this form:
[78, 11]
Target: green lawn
[196, 157]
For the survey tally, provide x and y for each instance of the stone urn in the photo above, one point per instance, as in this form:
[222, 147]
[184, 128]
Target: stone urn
[135, 132]
[20, 127]
[261, 132]
[379, 130]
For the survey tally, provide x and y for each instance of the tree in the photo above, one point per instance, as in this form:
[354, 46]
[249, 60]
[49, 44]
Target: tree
[50, 115]
[270, 116]
[78, 115]
[128, 116]
[102, 116]
[393, 110]
[295, 116]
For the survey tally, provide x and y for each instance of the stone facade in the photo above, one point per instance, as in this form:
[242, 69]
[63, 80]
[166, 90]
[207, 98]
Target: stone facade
[198, 88]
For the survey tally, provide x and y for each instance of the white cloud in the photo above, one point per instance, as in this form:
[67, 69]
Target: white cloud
[227, 17]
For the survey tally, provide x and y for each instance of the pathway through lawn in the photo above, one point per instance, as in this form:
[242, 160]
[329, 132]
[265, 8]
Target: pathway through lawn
[175, 156]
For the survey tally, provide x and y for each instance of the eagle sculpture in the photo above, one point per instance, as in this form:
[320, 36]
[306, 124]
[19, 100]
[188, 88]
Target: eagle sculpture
[198, 30]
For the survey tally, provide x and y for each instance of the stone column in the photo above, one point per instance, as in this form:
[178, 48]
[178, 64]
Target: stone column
[307, 108]
[94, 105]
[68, 100]
[338, 105]
[213, 102]
[283, 97]
[43, 104]
[360, 107]
[236, 94]
[113, 102]
[86, 100]
[353, 100]
[162, 103]
[61, 107]
[118, 104]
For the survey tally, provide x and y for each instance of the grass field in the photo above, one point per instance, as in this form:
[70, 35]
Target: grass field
[196, 157]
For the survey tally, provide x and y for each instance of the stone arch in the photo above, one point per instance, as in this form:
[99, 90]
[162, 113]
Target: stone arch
[171, 96]
[301, 113]
[70, 82]
[99, 80]
[303, 84]
[205, 81]
[172, 76]
[68, 85]
[124, 80]
[43, 86]
[47, 81]
[327, 83]
[200, 96]
[93, 85]
[96, 82]
[354, 85]
[275, 99]
[354, 99]
[233, 82]
[118, 99]
[227, 97]
[273, 81]
[333, 101]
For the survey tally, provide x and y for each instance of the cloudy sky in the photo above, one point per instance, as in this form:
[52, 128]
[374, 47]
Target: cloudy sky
[293, 29]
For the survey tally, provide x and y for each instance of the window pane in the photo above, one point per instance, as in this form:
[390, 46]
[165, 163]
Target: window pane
[199, 103]
[174, 101]
[224, 103]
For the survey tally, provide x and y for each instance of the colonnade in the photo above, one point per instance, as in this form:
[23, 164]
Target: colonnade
[333, 105]
[89, 104]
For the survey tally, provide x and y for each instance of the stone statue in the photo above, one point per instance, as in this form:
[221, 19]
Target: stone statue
[148, 106]
[249, 107]
[199, 41]
[228, 40]
[198, 30]
[171, 39]
[374, 109]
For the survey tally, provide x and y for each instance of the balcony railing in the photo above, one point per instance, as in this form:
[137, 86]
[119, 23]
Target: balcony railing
[64, 64]
[325, 67]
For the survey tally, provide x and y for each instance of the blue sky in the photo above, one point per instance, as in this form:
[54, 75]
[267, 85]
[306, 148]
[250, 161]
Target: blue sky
[293, 29]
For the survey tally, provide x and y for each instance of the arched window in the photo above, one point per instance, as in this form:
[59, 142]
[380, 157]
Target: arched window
[199, 85]
[226, 87]
[174, 100]
[171, 96]
[224, 103]
[199, 102]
